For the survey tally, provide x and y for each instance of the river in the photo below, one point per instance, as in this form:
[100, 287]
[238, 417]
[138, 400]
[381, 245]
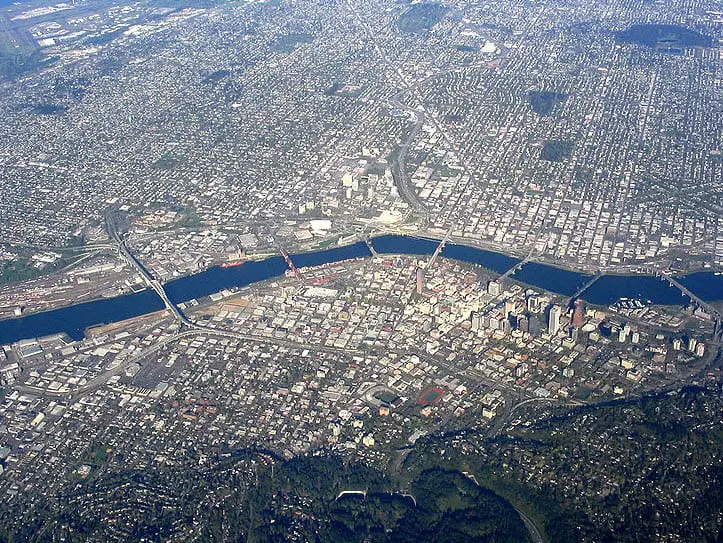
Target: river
[74, 320]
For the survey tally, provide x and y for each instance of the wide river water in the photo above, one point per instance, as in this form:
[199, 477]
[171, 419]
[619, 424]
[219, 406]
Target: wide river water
[75, 319]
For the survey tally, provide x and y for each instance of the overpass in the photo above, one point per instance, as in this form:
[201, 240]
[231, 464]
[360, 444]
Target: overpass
[712, 311]
[291, 265]
[152, 283]
[439, 248]
[368, 241]
[398, 166]
[343, 493]
[519, 265]
[587, 285]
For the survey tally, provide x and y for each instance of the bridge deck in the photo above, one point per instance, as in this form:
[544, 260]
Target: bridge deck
[594, 279]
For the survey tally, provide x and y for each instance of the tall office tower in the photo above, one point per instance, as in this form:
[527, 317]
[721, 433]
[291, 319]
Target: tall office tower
[553, 322]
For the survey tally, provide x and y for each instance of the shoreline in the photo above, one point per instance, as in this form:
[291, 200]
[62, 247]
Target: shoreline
[358, 249]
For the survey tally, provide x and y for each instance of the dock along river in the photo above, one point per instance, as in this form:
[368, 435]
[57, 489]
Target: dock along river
[75, 319]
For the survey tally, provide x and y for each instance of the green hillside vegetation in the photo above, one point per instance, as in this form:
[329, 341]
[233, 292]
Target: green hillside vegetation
[578, 472]
[243, 498]
[24, 269]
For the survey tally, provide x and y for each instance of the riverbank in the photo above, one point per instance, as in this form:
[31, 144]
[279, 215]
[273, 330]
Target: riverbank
[74, 319]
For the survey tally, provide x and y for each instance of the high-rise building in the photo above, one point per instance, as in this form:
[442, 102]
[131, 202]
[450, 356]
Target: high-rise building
[624, 333]
[420, 281]
[505, 325]
[534, 325]
[523, 324]
[578, 315]
[553, 322]
[476, 320]
[700, 349]
[494, 288]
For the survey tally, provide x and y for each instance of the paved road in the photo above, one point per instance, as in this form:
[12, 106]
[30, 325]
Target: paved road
[195, 330]
[141, 269]
[532, 528]
[399, 170]
[709, 308]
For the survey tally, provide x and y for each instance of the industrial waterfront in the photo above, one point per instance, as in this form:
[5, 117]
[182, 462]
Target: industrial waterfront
[74, 320]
